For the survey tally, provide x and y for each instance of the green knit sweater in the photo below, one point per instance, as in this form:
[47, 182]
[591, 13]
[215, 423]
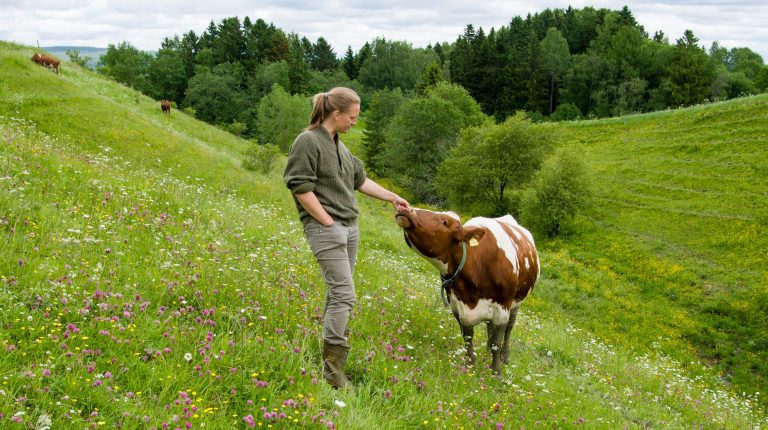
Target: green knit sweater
[325, 166]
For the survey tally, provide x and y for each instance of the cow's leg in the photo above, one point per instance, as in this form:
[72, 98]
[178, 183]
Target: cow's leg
[507, 331]
[491, 329]
[467, 333]
[496, 343]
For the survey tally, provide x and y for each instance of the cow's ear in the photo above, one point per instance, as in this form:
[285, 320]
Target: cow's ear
[473, 234]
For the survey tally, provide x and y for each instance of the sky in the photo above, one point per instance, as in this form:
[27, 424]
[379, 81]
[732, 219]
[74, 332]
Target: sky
[145, 23]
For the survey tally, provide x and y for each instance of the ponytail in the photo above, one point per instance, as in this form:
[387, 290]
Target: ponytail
[336, 99]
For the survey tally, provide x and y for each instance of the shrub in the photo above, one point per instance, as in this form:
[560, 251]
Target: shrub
[558, 191]
[235, 127]
[261, 158]
[566, 112]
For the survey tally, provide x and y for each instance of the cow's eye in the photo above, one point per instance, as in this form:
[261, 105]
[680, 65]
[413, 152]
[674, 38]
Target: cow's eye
[445, 223]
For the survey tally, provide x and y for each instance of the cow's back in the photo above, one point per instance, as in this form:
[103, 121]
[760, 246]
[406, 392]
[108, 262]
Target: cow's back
[506, 264]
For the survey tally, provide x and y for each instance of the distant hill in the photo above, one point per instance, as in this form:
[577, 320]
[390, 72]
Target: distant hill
[85, 51]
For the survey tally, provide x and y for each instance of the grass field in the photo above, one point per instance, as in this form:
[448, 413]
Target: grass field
[148, 281]
[681, 217]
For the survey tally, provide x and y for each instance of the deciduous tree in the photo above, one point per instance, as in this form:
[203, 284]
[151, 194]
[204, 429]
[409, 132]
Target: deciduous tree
[126, 64]
[490, 163]
[281, 117]
[394, 64]
[216, 95]
[168, 73]
[555, 59]
[384, 105]
[420, 135]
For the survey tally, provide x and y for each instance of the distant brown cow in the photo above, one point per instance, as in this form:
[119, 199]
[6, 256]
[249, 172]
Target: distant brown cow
[166, 106]
[47, 61]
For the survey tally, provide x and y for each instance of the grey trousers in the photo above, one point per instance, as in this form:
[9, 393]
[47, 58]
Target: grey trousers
[335, 250]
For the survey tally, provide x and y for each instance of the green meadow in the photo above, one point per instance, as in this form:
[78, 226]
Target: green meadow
[148, 281]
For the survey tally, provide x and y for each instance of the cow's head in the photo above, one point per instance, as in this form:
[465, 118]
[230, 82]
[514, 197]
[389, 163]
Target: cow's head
[434, 234]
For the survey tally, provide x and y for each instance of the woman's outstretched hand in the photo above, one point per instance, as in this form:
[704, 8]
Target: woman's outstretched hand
[401, 205]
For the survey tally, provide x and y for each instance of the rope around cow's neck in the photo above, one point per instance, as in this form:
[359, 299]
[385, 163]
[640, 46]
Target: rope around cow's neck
[455, 274]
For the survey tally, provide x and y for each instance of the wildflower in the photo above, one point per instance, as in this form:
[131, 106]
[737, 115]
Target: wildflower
[249, 421]
[339, 403]
[43, 422]
[188, 356]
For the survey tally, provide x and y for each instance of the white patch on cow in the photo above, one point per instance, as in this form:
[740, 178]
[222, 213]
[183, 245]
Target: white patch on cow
[503, 241]
[452, 215]
[486, 310]
[439, 265]
[538, 266]
[527, 264]
[517, 228]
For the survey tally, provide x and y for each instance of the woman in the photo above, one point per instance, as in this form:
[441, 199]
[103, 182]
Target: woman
[323, 176]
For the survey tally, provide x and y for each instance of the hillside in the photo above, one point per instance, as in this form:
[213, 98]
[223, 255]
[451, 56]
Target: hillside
[679, 226]
[148, 281]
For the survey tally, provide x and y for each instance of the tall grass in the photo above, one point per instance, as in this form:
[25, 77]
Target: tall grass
[148, 281]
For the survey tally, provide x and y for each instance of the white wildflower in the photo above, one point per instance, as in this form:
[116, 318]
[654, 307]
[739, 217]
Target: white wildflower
[43, 422]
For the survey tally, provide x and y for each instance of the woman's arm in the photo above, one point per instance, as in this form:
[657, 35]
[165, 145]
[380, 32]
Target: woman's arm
[312, 205]
[375, 190]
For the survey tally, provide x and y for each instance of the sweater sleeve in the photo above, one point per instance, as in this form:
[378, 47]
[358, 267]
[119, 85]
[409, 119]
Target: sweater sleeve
[301, 170]
[359, 172]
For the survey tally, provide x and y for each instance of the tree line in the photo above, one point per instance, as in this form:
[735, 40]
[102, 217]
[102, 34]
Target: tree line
[586, 62]
[556, 64]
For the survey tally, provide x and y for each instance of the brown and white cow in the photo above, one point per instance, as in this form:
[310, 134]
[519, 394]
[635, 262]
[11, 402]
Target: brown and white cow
[500, 268]
[47, 61]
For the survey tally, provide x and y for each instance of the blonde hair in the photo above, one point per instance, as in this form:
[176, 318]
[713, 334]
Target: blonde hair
[336, 99]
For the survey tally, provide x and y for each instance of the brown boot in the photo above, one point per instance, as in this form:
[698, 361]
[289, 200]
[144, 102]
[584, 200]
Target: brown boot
[334, 358]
